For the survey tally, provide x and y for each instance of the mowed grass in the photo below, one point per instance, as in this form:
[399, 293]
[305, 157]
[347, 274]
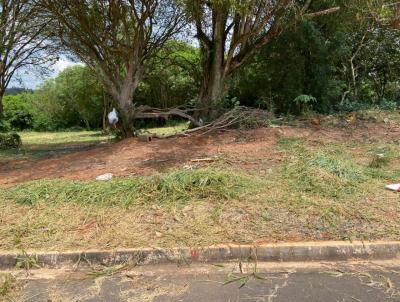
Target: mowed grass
[172, 127]
[316, 192]
[43, 144]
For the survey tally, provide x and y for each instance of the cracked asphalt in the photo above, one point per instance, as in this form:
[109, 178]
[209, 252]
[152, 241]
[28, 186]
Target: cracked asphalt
[297, 282]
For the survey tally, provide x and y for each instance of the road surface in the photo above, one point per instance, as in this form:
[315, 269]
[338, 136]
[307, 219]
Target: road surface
[301, 282]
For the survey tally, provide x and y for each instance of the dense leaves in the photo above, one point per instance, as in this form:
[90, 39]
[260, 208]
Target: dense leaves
[324, 62]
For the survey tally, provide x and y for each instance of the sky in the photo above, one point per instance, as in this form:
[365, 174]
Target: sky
[31, 80]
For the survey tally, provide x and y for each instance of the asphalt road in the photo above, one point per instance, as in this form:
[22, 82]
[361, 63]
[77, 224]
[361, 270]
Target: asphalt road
[322, 282]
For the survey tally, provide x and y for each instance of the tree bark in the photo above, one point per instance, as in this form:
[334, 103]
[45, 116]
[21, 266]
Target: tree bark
[353, 78]
[126, 114]
[213, 57]
[212, 87]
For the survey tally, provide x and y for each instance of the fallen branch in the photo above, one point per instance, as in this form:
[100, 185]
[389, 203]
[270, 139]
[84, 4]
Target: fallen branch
[149, 112]
[239, 117]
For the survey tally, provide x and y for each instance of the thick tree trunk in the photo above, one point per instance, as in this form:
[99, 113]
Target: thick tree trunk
[122, 96]
[126, 115]
[212, 88]
[211, 94]
[213, 56]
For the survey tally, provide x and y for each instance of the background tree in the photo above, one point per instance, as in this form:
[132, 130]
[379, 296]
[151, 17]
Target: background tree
[231, 32]
[172, 78]
[22, 42]
[315, 57]
[115, 38]
[73, 99]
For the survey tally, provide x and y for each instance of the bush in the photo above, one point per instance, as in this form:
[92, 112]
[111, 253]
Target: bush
[10, 140]
[19, 111]
[4, 126]
[352, 106]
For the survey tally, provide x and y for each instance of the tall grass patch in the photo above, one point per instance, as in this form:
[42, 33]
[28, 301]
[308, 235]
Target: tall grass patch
[182, 186]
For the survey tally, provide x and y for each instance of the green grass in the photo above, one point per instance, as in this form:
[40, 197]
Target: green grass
[315, 191]
[43, 144]
[171, 128]
[182, 187]
[67, 137]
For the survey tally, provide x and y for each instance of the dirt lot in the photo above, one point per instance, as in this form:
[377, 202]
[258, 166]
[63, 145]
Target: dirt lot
[284, 183]
[252, 149]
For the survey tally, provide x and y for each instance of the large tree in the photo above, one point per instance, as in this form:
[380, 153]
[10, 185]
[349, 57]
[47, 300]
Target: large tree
[115, 38]
[232, 31]
[22, 43]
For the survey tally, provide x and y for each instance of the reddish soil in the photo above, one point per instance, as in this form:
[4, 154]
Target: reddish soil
[248, 149]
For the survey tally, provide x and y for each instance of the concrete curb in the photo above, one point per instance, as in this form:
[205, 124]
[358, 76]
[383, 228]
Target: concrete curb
[286, 252]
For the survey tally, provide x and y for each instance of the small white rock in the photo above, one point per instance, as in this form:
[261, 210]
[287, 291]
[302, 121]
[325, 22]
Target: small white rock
[104, 177]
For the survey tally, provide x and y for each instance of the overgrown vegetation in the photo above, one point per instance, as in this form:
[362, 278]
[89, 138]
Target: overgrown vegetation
[10, 141]
[341, 62]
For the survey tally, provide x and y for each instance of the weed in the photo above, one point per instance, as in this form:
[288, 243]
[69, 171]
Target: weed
[7, 284]
[379, 161]
[106, 271]
[26, 261]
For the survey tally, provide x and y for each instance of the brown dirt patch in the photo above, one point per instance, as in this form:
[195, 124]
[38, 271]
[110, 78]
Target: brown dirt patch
[244, 149]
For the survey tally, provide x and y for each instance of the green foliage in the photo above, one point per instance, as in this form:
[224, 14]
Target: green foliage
[352, 106]
[299, 62]
[10, 141]
[4, 125]
[304, 103]
[172, 79]
[74, 98]
[19, 111]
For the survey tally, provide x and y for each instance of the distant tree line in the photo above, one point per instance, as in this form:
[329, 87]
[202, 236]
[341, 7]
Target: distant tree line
[286, 56]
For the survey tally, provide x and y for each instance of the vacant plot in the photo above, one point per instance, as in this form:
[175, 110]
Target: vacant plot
[37, 145]
[285, 183]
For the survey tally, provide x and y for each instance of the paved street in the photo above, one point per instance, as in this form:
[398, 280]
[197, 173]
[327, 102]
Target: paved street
[367, 282]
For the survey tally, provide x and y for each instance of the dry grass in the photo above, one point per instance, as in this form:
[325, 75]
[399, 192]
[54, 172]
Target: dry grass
[317, 191]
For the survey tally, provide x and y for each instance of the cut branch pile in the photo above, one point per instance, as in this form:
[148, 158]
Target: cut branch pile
[239, 117]
[184, 112]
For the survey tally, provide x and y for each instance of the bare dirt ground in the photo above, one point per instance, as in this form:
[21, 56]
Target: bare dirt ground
[244, 149]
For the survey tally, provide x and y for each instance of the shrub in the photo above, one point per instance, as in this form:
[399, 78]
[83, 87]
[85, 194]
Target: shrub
[10, 140]
[304, 103]
[4, 126]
